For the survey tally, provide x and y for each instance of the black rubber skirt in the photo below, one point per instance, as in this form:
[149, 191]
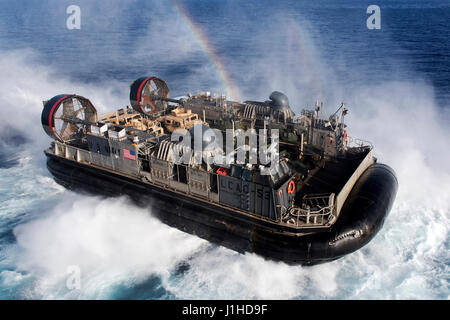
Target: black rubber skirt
[361, 217]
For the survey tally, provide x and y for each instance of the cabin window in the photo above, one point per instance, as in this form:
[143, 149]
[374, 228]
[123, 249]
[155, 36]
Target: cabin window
[145, 165]
[236, 171]
[213, 182]
[182, 174]
[175, 172]
[247, 175]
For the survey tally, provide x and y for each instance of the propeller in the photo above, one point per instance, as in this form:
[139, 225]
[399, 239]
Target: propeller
[63, 116]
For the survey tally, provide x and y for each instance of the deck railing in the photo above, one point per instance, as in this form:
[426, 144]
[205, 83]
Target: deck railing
[318, 210]
[355, 144]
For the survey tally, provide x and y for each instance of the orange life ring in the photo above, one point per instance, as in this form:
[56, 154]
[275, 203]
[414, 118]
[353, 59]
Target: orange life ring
[291, 187]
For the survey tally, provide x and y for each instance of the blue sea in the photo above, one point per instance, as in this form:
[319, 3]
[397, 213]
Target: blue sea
[395, 80]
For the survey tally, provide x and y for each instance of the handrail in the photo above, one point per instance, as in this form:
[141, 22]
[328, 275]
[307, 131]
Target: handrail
[358, 143]
[310, 215]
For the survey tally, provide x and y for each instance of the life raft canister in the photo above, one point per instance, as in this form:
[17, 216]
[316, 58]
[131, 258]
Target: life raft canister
[291, 187]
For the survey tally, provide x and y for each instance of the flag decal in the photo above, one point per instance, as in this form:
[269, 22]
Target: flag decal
[129, 154]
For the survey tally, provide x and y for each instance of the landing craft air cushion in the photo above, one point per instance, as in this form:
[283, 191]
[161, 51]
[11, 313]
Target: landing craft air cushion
[323, 196]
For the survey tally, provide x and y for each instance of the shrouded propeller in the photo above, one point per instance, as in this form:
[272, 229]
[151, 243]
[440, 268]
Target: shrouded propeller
[147, 94]
[63, 116]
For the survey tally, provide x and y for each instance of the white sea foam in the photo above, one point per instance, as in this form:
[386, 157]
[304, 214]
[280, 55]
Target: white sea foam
[25, 84]
[110, 240]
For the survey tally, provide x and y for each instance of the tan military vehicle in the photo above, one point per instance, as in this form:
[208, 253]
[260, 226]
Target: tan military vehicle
[130, 118]
[179, 118]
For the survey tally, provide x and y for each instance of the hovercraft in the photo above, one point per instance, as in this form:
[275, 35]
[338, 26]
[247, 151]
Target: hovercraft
[252, 176]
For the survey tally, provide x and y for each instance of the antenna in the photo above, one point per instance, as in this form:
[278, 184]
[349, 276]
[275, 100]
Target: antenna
[322, 109]
[344, 112]
[316, 112]
[341, 106]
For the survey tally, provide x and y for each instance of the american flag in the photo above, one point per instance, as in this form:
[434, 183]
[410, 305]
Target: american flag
[129, 154]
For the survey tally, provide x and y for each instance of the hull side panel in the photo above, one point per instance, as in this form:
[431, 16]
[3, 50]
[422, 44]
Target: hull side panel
[362, 215]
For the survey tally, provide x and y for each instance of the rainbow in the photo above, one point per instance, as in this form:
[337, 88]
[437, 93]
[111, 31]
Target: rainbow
[231, 90]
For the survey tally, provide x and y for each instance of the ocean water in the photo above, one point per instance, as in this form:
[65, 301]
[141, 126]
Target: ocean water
[395, 81]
